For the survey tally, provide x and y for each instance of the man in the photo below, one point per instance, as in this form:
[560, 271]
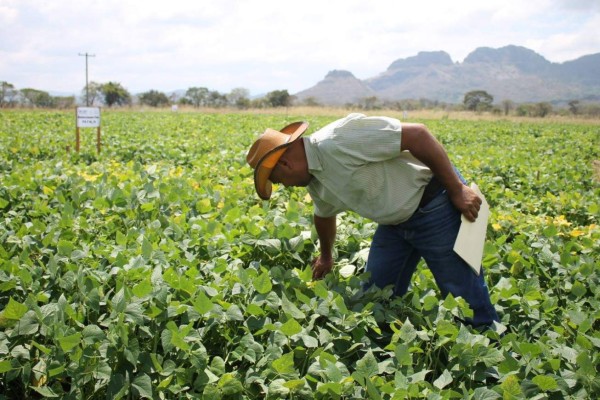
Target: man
[396, 174]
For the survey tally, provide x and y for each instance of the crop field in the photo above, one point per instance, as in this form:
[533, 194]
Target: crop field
[152, 270]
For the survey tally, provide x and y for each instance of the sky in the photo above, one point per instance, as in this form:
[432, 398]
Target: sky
[266, 45]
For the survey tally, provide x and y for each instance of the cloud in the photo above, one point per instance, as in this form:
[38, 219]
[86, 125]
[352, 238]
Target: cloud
[266, 45]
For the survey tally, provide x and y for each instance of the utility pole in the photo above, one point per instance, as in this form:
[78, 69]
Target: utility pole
[87, 94]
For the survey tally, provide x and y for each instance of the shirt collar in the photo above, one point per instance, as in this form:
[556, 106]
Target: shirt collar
[312, 156]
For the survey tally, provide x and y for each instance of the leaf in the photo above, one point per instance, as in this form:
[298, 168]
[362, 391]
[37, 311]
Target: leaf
[291, 327]
[443, 380]
[511, 386]
[229, 385]
[290, 309]
[92, 334]
[202, 303]
[367, 366]
[545, 382]
[5, 366]
[143, 385]
[262, 283]
[407, 332]
[284, 364]
[45, 391]
[234, 313]
[28, 324]
[68, 343]
[14, 310]
[485, 394]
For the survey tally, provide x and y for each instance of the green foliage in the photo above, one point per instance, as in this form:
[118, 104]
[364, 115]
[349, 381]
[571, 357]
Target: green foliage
[153, 271]
[278, 98]
[478, 100]
[115, 94]
[154, 98]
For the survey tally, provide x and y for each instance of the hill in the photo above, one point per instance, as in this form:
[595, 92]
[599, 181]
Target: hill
[508, 73]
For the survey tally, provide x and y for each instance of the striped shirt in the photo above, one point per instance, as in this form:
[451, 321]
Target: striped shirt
[357, 165]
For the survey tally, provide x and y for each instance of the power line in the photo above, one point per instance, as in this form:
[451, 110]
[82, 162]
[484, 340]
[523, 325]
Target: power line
[87, 94]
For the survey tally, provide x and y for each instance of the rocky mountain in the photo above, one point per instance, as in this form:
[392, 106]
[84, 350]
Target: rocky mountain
[508, 73]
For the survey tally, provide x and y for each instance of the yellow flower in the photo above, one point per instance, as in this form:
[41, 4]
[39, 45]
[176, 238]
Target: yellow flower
[577, 232]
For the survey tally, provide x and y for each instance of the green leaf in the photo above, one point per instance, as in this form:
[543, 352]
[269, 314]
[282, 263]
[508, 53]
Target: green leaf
[291, 327]
[262, 283]
[143, 385]
[143, 288]
[147, 249]
[290, 309]
[67, 343]
[65, 248]
[14, 310]
[5, 366]
[511, 386]
[284, 364]
[92, 334]
[443, 380]
[45, 391]
[545, 382]
[229, 385]
[202, 303]
[407, 332]
[367, 366]
[485, 394]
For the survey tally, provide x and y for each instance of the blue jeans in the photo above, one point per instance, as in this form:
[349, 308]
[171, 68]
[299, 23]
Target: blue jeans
[430, 233]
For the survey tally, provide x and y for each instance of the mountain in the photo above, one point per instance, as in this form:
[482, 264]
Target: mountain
[508, 73]
[339, 87]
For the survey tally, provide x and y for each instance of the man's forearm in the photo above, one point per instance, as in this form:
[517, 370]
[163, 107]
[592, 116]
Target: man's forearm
[425, 147]
[326, 230]
[417, 139]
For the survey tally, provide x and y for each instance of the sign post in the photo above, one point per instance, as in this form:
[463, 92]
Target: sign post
[88, 117]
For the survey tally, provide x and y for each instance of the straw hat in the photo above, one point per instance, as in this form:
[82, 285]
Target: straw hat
[267, 150]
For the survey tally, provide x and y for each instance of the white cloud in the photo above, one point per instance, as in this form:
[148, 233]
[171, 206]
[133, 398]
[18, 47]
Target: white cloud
[266, 45]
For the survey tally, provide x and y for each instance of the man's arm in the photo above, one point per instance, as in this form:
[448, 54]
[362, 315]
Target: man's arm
[417, 139]
[326, 230]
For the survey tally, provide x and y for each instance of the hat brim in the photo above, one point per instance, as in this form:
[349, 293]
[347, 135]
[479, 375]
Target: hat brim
[265, 165]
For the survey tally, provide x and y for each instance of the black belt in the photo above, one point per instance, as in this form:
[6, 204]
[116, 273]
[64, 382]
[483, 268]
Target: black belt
[433, 188]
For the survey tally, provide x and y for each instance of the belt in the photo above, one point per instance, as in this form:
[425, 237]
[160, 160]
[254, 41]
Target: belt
[433, 188]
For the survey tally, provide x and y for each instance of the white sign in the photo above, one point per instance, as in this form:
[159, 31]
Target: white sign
[88, 117]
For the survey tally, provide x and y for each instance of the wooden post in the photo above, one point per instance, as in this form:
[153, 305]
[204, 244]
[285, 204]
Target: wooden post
[98, 141]
[77, 140]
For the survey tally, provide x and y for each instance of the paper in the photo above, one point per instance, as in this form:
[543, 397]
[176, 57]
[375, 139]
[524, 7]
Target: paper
[471, 235]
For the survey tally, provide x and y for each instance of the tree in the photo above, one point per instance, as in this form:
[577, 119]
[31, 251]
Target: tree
[574, 107]
[94, 91]
[37, 98]
[239, 97]
[507, 106]
[154, 98]
[198, 96]
[478, 100]
[543, 109]
[114, 93]
[216, 99]
[7, 93]
[278, 98]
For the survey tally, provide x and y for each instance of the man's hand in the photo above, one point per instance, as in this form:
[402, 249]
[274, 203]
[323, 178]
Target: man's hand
[321, 266]
[467, 202]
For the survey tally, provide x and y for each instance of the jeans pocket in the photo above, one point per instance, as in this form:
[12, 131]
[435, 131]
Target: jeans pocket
[438, 202]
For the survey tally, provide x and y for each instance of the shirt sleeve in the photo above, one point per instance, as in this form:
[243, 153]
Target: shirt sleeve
[367, 139]
[324, 209]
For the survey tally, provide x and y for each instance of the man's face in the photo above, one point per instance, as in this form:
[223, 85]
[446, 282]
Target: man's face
[289, 176]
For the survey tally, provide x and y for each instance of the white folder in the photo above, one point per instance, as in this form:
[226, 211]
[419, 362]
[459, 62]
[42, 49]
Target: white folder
[471, 236]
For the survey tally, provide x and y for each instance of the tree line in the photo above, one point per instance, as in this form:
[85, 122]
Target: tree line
[113, 94]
